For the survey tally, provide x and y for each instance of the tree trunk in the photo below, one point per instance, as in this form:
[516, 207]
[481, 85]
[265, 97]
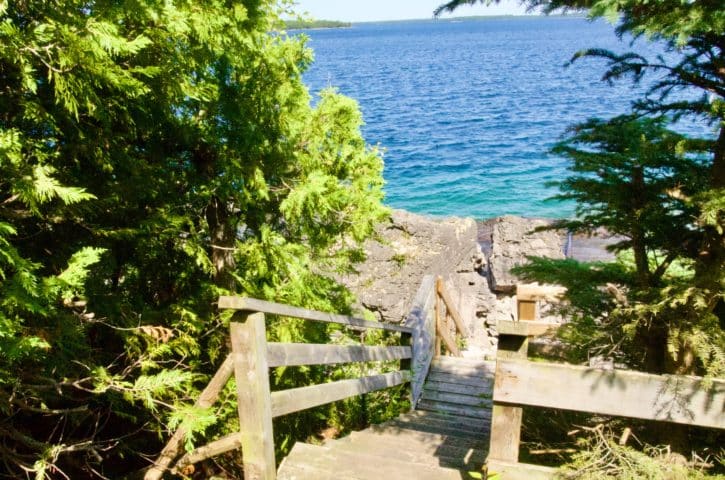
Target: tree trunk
[717, 173]
[639, 242]
[222, 231]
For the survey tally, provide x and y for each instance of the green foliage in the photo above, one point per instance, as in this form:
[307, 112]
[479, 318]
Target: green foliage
[661, 192]
[633, 177]
[152, 157]
[656, 308]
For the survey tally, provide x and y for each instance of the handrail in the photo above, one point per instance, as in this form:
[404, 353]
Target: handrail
[443, 299]
[208, 397]
[450, 307]
[254, 305]
[252, 357]
[519, 382]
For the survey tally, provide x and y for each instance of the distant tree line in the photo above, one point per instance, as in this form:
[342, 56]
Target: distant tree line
[302, 24]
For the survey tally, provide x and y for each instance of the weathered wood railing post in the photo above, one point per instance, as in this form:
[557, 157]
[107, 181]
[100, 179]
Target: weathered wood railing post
[513, 344]
[422, 320]
[506, 420]
[249, 349]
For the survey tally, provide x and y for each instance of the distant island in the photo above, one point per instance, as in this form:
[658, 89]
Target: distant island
[300, 24]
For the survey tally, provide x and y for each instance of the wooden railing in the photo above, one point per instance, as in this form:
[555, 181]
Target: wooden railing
[448, 321]
[518, 383]
[252, 356]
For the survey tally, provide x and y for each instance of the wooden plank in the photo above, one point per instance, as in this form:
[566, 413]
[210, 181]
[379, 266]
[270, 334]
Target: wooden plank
[229, 442]
[526, 328]
[451, 307]
[289, 354]
[442, 332]
[485, 391]
[460, 410]
[421, 320]
[208, 396]
[249, 346]
[668, 398]
[519, 471]
[295, 399]
[458, 399]
[254, 305]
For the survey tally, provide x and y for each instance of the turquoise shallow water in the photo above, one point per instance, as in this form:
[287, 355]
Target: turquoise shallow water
[467, 110]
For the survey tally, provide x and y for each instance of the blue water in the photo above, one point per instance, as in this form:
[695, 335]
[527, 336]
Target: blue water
[467, 110]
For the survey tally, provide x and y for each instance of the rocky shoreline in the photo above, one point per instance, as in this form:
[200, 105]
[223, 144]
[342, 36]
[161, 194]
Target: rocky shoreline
[474, 258]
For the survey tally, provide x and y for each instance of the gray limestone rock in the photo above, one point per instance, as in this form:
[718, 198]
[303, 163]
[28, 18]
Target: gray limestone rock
[409, 247]
[512, 240]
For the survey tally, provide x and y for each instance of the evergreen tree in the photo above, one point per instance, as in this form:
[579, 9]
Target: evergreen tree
[633, 177]
[154, 155]
[692, 34]
[674, 324]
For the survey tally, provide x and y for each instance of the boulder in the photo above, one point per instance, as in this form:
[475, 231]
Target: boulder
[408, 247]
[512, 240]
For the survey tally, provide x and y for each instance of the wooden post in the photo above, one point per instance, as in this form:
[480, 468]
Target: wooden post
[506, 420]
[527, 310]
[406, 339]
[249, 347]
[422, 320]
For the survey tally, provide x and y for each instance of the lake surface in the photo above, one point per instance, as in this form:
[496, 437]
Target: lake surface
[467, 110]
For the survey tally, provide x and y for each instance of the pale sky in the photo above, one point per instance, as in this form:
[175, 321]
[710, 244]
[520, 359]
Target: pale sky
[371, 10]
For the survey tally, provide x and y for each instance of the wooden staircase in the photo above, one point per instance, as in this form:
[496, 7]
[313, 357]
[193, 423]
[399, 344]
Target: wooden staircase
[445, 438]
[453, 428]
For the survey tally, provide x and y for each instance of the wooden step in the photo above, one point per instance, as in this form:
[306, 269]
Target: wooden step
[461, 410]
[487, 365]
[464, 370]
[482, 367]
[292, 471]
[432, 435]
[360, 465]
[483, 390]
[415, 451]
[427, 428]
[474, 426]
[415, 437]
[482, 381]
[457, 399]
